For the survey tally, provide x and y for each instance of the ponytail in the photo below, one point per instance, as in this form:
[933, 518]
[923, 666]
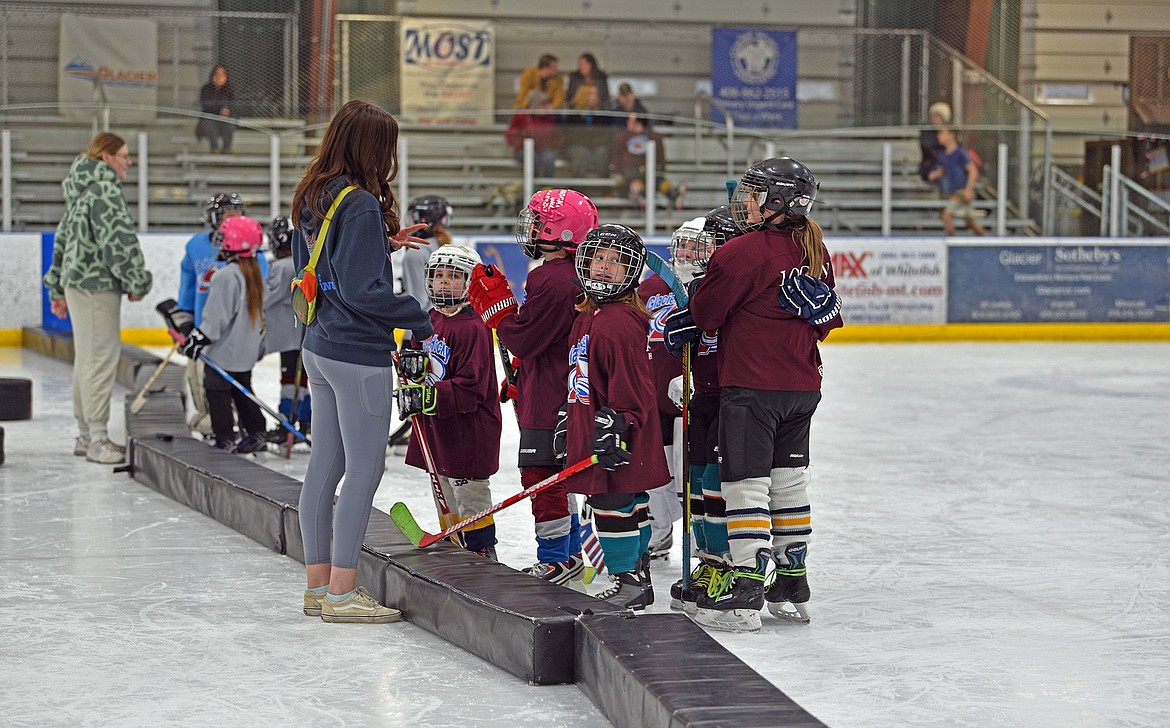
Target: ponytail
[811, 240]
[254, 286]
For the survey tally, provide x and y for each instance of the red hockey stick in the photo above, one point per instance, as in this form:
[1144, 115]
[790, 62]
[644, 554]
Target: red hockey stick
[406, 523]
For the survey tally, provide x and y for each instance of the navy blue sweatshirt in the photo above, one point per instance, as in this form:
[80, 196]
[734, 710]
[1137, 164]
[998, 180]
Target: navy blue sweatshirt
[357, 309]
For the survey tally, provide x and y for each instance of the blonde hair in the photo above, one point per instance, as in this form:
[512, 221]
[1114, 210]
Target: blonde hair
[811, 240]
[105, 143]
[631, 297]
[943, 109]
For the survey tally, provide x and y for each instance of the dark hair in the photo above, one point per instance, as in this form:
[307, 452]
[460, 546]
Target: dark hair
[105, 142]
[216, 67]
[361, 144]
[593, 69]
[546, 60]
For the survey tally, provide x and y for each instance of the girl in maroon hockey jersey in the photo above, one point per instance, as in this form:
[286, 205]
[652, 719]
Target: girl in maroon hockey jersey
[613, 411]
[770, 294]
[453, 386]
[549, 229]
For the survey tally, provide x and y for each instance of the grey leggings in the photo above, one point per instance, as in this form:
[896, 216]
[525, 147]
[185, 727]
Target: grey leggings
[351, 421]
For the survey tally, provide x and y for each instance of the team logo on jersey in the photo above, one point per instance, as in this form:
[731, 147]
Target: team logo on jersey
[440, 355]
[579, 371]
[660, 306]
[205, 279]
[708, 343]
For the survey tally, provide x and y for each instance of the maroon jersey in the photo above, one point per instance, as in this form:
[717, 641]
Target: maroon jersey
[705, 364]
[659, 299]
[611, 368]
[539, 335]
[761, 346]
[464, 434]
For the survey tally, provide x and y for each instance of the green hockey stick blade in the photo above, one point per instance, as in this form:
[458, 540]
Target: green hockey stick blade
[404, 519]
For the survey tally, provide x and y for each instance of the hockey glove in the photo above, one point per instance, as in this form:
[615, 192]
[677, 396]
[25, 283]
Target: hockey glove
[608, 428]
[489, 294]
[416, 399]
[413, 365]
[194, 344]
[809, 298]
[674, 390]
[697, 281]
[508, 391]
[679, 329]
[561, 433]
[176, 318]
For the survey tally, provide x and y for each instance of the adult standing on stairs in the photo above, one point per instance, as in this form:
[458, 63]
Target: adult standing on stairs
[96, 260]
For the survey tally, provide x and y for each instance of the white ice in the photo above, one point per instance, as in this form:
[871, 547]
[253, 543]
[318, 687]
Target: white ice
[991, 547]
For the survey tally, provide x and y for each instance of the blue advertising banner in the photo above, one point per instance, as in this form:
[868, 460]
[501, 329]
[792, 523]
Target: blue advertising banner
[1057, 283]
[753, 75]
[48, 320]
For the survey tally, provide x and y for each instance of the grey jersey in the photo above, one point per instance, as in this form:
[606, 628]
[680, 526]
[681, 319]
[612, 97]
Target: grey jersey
[414, 279]
[237, 342]
[281, 332]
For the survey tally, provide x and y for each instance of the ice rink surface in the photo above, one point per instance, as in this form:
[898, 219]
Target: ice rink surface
[991, 547]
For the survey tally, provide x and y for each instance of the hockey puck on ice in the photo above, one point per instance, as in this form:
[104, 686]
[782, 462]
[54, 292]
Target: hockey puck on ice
[15, 398]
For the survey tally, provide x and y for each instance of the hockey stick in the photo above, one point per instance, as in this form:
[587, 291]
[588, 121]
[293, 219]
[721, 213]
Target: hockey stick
[140, 401]
[288, 441]
[406, 523]
[657, 264]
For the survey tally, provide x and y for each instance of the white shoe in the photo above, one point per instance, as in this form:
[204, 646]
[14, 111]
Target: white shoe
[105, 452]
[81, 445]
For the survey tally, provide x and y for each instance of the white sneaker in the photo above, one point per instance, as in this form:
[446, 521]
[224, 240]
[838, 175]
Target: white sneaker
[105, 452]
[81, 445]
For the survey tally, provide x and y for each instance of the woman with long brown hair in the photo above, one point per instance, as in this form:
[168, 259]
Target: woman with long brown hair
[348, 348]
[96, 260]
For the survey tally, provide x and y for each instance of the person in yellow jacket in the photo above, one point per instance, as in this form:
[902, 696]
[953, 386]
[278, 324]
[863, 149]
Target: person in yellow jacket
[545, 77]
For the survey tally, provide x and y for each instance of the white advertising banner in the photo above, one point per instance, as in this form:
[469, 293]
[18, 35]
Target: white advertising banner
[107, 60]
[448, 71]
[891, 280]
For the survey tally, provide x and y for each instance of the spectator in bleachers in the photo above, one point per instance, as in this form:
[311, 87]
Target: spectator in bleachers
[543, 77]
[629, 103]
[956, 173]
[588, 135]
[588, 75]
[940, 116]
[219, 98]
[628, 161]
[536, 121]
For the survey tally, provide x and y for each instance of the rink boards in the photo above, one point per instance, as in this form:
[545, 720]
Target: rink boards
[646, 670]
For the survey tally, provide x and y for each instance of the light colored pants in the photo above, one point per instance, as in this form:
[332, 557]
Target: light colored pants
[97, 344]
[200, 421]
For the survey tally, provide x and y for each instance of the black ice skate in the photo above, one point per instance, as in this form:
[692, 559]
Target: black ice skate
[787, 595]
[683, 600]
[560, 572]
[734, 599]
[629, 590]
[251, 443]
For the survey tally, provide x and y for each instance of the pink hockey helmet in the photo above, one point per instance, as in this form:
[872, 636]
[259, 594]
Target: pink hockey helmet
[240, 236]
[558, 218]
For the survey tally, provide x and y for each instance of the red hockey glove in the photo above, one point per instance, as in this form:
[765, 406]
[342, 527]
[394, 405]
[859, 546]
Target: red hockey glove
[490, 295]
[508, 391]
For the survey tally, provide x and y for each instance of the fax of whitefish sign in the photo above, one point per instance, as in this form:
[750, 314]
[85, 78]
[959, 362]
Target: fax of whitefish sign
[448, 71]
[1112, 281]
[753, 76]
[107, 61]
[890, 280]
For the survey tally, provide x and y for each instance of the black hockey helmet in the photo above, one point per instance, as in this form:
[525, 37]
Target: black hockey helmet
[220, 202]
[720, 225]
[606, 248]
[771, 189]
[280, 235]
[433, 210]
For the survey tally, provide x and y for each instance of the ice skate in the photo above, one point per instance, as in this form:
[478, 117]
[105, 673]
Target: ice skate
[683, 600]
[734, 599]
[628, 590]
[561, 572]
[250, 443]
[488, 553]
[787, 594]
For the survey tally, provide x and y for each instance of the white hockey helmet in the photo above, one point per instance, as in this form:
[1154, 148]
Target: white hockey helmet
[690, 248]
[448, 258]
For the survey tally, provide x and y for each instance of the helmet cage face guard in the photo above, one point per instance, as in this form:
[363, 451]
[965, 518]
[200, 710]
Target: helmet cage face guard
[280, 234]
[450, 259]
[720, 225]
[433, 211]
[631, 256]
[217, 204]
[527, 227]
[759, 202]
[690, 250]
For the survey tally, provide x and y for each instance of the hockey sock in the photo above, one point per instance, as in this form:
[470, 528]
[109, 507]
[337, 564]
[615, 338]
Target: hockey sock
[642, 504]
[696, 498]
[469, 496]
[285, 407]
[478, 539]
[575, 541]
[551, 511]
[622, 530]
[714, 512]
[304, 407]
[790, 510]
[748, 519]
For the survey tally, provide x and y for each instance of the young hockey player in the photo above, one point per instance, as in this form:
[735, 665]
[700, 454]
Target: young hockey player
[232, 335]
[770, 295]
[281, 332]
[199, 262]
[549, 229]
[665, 503]
[689, 258]
[612, 409]
[452, 396]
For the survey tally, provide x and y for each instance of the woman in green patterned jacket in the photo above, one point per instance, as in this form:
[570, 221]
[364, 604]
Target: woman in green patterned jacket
[96, 260]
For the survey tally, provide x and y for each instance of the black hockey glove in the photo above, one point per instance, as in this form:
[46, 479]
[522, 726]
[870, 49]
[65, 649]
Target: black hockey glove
[697, 281]
[809, 298]
[194, 344]
[608, 428]
[416, 399]
[561, 433]
[413, 364]
[679, 329]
